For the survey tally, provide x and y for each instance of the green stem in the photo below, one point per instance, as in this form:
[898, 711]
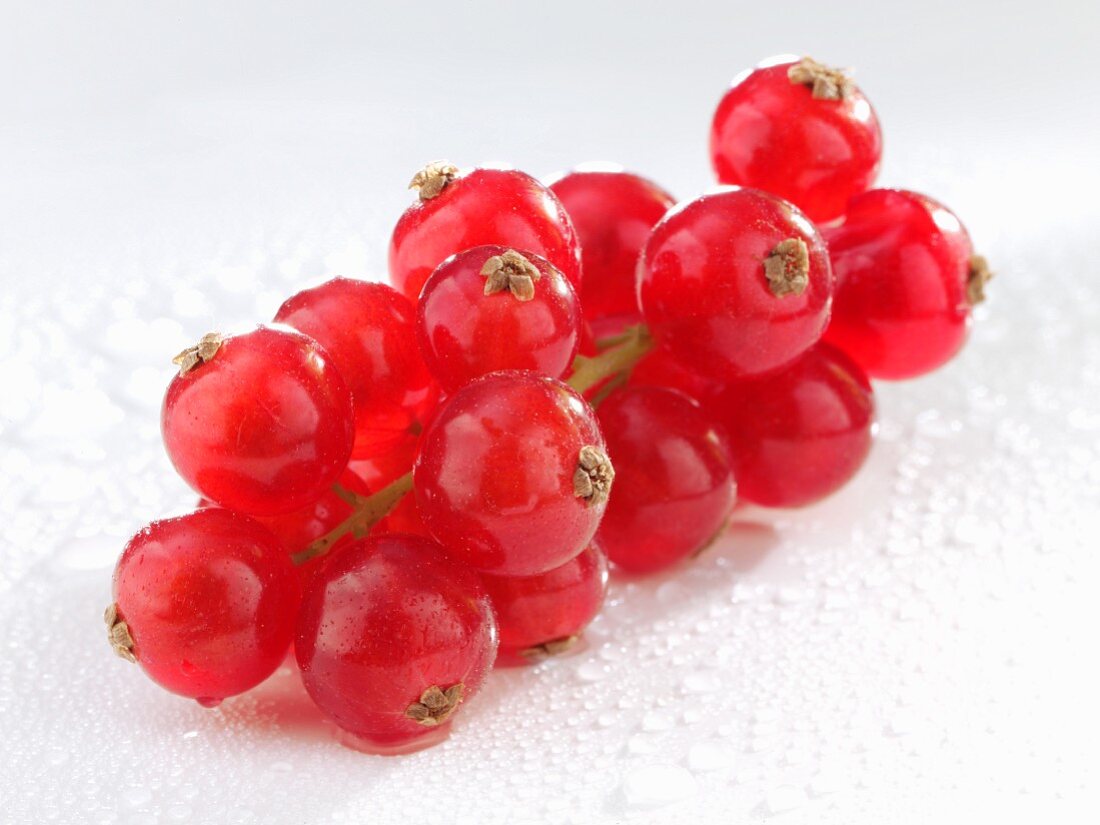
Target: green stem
[369, 510]
[622, 352]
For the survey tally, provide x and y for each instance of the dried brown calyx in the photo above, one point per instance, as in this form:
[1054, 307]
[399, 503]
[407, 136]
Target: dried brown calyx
[537, 653]
[593, 476]
[435, 705]
[513, 272]
[118, 634]
[825, 82]
[979, 275]
[787, 268]
[200, 353]
[433, 179]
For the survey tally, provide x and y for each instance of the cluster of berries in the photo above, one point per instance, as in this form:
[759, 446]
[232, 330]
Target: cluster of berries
[561, 375]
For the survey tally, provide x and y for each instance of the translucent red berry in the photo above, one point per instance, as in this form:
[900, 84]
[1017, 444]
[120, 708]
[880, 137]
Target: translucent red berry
[492, 308]
[800, 434]
[673, 485]
[512, 475]
[368, 330]
[484, 206]
[906, 280]
[660, 368]
[736, 283]
[260, 423]
[393, 639]
[205, 603]
[799, 129]
[613, 212]
[543, 615]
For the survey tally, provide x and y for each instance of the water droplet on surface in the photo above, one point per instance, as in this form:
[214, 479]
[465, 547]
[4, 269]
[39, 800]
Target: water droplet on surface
[654, 786]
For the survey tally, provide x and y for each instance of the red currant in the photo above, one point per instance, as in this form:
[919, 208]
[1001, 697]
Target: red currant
[512, 475]
[613, 212]
[800, 434]
[260, 422]
[492, 308]
[736, 283]
[368, 330]
[205, 603]
[484, 206]
[800, 130]
[906, 280]
[673, 485]
[659, 368]
[543, 615]
[392, 636]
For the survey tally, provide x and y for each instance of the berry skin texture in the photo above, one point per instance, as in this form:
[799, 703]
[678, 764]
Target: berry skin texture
[735, 283]
[209, 600]
[530, 321]
[264, 426]
[512, 475]
[798, 435]
[674, 488]
[613, 213]
[902, 263]
[368, 330]
[483, 206]
[385, 621]
[543, 615]
[774, 134]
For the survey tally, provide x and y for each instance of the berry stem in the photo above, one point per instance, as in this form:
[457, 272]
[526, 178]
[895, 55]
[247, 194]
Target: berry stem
[369, 510]
[618, 355]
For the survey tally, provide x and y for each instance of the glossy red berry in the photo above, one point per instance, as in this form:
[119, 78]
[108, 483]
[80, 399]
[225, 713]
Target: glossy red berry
[798, 129]
[492, 308]
[260, 423]
[512, 475]
[543, 615]
[800, 434]
[457, 211]
[393, 638]
[660, 368]
[205, 603]
[906, 280]
[368, 330]
[736, 283]
[613, 212]
[673, 485]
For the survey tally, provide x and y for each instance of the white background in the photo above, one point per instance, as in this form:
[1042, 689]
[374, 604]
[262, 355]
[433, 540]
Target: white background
[919, 648]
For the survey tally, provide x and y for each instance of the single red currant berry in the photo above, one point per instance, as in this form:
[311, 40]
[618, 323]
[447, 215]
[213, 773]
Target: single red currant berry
[260, 422]
[492, 308]
[512, 475]
[736, 283]
[798, 435]
[205, 603]
[392, 637]
[907, 278]
[673, 485]
[484, 206]
[368, 330]
[613, 212]
[798, 129]
[543, 615]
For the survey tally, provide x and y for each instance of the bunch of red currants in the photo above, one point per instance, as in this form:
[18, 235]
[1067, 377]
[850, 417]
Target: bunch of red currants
[410, 484]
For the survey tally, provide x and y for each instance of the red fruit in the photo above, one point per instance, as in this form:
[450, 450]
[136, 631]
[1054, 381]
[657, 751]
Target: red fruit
[613, 212]
[736, 283]
[659, 368]
[392, 635]
[484, 206]
[673, 486]
[906, 280]
[205, 603]
[368, 330]
[512, 475]
[403, 518]
[800, 130]
[798, 435]
[492, 308]
[382, 468]
[260, 422]
[543, 615]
